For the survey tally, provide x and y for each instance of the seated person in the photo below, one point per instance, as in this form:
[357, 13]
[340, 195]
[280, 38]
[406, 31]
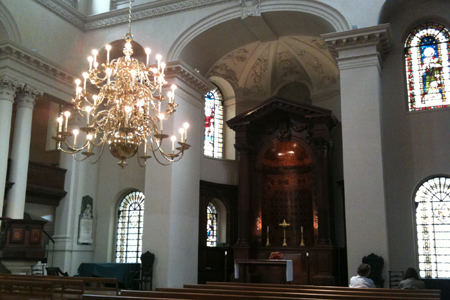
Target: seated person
[361, 280]
[411, 280]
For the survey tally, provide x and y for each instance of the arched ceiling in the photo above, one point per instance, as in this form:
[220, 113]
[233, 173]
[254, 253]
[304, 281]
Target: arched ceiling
[211, 45]
[259, 70]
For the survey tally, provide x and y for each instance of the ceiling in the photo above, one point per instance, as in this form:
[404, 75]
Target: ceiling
[258, 55]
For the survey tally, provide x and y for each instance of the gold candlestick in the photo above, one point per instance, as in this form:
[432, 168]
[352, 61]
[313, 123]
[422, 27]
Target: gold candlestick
[302, 242]
[284, 224]
[267, 242]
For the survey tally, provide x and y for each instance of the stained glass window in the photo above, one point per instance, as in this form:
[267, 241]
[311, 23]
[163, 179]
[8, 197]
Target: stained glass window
[433, 227]
[129, 228]
[213, 145]
[211, 226]
[427, 67]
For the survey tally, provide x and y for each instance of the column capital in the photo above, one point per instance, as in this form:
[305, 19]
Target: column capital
[9, 88]
[379, 36]
[27, 97]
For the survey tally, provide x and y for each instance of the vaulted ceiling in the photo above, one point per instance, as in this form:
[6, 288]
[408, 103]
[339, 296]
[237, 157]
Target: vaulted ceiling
[258, 55]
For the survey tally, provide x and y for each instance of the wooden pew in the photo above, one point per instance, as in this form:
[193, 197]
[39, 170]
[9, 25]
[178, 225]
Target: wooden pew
[63, 287]
[24, 290]
[111, 297]
[187, 295]
[91, 285]
[100, 285]
[356, 295]
[430, 292]
[417, 294]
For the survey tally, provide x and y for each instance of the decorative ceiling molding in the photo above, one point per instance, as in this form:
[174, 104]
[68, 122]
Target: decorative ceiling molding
[148, 11]
[118, 17]
[65, 11]
[28, 67]
[189, 75]
[380, 36]
[16, 52]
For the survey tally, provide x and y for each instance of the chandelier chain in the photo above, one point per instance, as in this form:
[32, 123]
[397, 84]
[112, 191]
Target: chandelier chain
[129, 18]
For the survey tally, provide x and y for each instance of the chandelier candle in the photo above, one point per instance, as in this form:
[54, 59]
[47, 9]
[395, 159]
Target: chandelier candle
[124, 107]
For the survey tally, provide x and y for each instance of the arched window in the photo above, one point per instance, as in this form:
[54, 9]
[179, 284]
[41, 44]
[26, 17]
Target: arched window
[211, 225]
[129, 228]
[433, 227]
[213, 145]
[427, 67]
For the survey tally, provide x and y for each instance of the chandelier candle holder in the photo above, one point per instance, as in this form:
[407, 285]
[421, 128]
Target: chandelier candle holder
[127, 111]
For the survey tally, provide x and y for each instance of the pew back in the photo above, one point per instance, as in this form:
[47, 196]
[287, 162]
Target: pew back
[290, 295]
[24, 290]
[187, 295]
[92, 285]
[418, 294]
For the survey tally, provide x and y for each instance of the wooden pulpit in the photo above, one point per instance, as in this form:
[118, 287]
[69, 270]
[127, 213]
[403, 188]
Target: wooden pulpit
[22, 239]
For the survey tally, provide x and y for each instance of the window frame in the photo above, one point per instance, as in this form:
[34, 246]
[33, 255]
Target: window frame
[425, 273]
[134, 198]
[217, 151]
[414, 84]
[215, 212]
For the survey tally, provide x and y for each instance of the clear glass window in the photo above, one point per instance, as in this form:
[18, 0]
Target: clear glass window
[433, 227]
[129, 228]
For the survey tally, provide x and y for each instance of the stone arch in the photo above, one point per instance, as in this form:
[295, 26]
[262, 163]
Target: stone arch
[323, 11]
[8, 26]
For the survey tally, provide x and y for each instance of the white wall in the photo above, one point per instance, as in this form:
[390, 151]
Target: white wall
[47, 33]
[414, 143]
[113, 183]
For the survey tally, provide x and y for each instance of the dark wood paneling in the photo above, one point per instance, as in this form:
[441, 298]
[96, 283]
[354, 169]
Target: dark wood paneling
[216, 263]
[285, 174]
[45, 184]
[22, 239]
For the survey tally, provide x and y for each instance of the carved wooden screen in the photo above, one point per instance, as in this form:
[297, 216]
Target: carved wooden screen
[287, 193]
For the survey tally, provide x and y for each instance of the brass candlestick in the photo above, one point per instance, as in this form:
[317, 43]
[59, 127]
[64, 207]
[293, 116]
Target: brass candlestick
[267, 242]
[284, 224]
[302, 242]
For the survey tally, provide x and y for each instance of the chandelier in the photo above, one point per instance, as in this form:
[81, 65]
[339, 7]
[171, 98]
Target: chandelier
[126, 110]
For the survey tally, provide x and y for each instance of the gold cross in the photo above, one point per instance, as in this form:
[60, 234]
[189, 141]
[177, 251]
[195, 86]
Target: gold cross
[284, 224]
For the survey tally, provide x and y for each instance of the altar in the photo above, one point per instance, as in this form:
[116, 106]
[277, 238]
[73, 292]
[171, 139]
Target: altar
[246, 263]
[122, 271]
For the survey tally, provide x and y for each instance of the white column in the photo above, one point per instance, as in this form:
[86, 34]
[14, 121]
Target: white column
[20, 152]
[360, 67]
[172, 192]
[8, 90]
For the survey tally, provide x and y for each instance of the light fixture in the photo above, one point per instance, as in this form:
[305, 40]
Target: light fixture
[128, 110]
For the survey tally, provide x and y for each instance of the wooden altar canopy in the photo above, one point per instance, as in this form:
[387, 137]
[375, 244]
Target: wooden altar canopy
[284, 150]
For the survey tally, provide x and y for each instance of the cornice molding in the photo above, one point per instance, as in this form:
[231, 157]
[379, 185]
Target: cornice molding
[189, 75]
[379, 36]
[275, 102]
[18, 53]
[118, 17]
[65, 11]
[148, 11]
